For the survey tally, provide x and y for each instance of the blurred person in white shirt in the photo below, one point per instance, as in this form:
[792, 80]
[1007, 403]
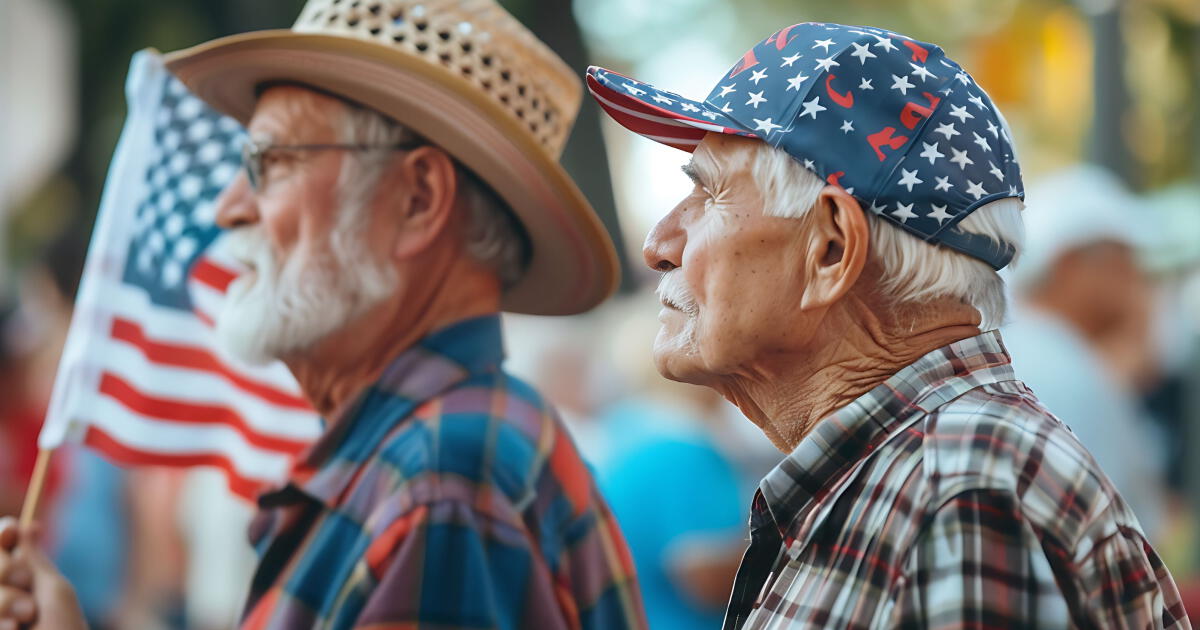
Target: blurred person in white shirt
[1084, 315]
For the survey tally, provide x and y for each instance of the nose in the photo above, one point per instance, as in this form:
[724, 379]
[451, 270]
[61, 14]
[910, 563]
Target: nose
[237, 207]
[663, 249]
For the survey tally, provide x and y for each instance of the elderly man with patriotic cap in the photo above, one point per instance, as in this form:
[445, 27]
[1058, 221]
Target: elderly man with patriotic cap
[402, 186]
[833, 273]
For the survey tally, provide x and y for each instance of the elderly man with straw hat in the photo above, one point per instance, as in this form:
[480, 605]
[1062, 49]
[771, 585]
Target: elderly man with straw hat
[401, 186]
[834, 274]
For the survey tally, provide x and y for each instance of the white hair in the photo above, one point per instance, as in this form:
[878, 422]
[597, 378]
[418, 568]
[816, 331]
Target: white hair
[494, 237]
[913, 270]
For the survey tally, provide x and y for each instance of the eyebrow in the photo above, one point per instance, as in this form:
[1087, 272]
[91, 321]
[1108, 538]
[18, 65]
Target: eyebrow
[692, 172]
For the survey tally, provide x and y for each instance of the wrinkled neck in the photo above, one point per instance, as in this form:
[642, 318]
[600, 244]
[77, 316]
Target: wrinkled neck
[858, 346]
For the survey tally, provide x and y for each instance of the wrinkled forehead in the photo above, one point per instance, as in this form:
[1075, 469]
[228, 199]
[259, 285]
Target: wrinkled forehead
[288, 112]
[718, 158]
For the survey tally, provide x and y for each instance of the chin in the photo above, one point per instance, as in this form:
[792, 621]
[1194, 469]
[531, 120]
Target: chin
[244, 327]
[271, 318]
[262, 321]
[676, 358]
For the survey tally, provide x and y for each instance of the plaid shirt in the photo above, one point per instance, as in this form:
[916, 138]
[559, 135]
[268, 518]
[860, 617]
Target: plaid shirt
[947, 497]
[448, 496]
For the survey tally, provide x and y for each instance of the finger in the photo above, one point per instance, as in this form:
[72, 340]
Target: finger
[9, 533]
[31, 557]
[18, 576]
[19, 567]
[30, 534]
[17, 605]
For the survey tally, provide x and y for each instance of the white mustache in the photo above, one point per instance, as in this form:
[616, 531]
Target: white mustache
[248, 247]
[674, 291]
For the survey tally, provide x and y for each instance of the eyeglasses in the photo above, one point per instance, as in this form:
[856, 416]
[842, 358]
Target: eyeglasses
[253, 154]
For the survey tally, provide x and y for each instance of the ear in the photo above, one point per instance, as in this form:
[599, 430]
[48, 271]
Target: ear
[421, 197]
[837, 248]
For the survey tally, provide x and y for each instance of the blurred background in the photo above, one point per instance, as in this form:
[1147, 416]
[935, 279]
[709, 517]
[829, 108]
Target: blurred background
[1101, 95]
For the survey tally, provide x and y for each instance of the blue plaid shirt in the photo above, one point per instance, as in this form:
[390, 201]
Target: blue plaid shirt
[448, 496]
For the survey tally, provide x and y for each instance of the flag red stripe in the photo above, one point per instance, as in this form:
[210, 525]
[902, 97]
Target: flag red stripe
[213, 275]
[204, 318]
[122, 453]
[196, 358]
[192, 413]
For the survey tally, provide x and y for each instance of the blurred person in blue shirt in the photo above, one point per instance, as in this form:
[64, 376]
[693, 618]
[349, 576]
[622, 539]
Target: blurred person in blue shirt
[680, 501]
[1083, 316]
[678, 475]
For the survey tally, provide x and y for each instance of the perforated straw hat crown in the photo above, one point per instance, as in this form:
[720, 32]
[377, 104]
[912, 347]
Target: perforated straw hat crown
[466, 75]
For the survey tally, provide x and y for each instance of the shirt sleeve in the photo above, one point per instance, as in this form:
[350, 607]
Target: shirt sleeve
[978, 565]
[1127, 584]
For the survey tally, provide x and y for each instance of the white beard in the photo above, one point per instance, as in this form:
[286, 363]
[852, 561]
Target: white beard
[278, 311]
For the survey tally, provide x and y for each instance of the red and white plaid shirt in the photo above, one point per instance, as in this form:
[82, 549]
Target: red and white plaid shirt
[947, 497]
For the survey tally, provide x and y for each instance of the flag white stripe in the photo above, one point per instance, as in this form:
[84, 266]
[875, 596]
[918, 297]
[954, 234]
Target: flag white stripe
[206, 300]
[185, 329]
[204, 388]
[154, 435]
[121, 192]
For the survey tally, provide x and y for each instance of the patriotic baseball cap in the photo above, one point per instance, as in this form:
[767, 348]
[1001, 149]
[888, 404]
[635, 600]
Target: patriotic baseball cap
[890, 119]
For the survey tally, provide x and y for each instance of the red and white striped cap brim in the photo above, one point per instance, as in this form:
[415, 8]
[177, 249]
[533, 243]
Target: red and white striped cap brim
[656, 114]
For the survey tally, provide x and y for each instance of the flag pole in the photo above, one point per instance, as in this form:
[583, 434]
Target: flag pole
[34, 491]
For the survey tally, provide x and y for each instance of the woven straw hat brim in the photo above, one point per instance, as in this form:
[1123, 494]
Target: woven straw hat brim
[573, 267]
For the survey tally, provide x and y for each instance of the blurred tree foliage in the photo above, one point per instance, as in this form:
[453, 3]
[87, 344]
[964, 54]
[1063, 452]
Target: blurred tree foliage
[1111, 81]
[1005, 42]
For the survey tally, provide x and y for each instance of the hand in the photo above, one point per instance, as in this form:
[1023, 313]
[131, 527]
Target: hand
[33, 594]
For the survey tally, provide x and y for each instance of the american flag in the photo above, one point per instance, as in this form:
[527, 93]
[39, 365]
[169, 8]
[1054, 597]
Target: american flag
[141, 379]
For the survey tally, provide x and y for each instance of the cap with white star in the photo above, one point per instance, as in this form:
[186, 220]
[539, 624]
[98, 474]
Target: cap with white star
[890, 119]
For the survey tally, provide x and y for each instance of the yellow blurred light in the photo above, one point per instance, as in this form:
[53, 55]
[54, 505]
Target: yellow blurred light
[1065, 85]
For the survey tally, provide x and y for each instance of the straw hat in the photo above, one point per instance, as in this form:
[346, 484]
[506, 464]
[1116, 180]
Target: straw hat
[464, 74]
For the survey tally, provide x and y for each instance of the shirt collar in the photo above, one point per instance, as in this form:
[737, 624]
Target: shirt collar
[844, 438]
[425, 370]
